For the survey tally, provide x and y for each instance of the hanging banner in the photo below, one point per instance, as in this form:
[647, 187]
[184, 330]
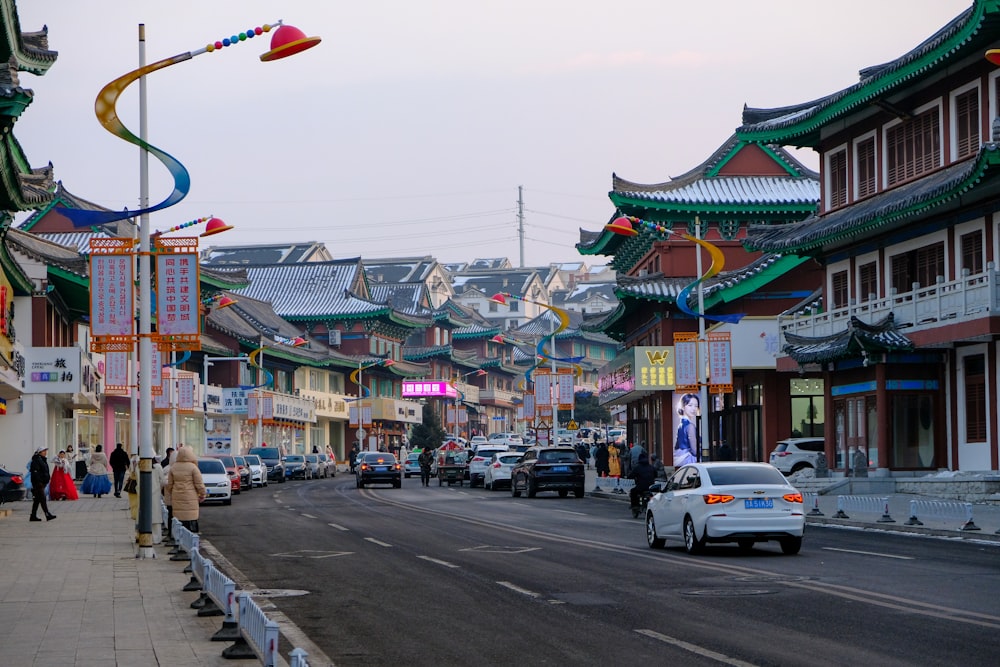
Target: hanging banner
[566, 391]
[185, 394]
[529, 406]
[543, 388]
[686, 362]
[116, 373]
[177, 294]
[720, 359]
[112, 312]
[161, 399]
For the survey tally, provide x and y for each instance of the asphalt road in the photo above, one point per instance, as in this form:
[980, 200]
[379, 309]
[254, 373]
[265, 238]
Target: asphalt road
[453, 576]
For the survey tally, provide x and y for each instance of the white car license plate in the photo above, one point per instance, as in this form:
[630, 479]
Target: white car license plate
[758, 504]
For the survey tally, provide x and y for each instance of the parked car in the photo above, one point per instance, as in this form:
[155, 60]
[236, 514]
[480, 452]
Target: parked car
[477, 440]
[411, 466]
[480, 460]
[246, 479]
[296, 467]
[378, 467]
[11, 486]
[562, 436]
[233, 471]
[328, 465]
[258, 471]
[498, 470]
[548, 469]
[271, 456]
[218, 483]
[316, 469]
[794, 454]
[726, 502]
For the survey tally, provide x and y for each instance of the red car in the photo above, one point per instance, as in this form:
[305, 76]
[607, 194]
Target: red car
[233, 471]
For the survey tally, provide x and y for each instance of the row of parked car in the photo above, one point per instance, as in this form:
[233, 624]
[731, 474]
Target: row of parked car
[228, 475]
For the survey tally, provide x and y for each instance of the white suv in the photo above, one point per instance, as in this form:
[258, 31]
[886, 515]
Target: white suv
[481, 460]
[794, 454]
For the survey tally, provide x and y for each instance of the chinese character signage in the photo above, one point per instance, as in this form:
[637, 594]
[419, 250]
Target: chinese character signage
[177, 305]
[686, 363]
[116, 373]
[720, 365]
[52, 370]
[654, 367]
[111, 292]
[234, 402]
[543, 388]
[424, 388]
[565, 391]
[185, 394]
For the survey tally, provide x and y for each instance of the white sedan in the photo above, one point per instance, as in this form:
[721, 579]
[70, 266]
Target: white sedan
[726, 502]
[498, 471]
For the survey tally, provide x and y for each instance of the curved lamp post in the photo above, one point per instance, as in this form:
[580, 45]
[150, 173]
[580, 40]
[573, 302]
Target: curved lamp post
[364, 392]
[284, 42]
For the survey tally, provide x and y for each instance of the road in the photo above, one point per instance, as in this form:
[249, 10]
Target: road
[450, 576]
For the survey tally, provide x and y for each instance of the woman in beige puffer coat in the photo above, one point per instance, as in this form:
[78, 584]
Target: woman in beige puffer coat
[186, 488]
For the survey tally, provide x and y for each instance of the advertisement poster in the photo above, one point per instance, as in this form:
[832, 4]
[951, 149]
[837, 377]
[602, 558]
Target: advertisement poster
[686, 438]
[218, 438]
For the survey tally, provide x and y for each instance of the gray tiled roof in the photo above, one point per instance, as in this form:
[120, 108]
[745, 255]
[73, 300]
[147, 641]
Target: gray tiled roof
[736, 190]
[265, 253]
[857, 340]
[399, 270]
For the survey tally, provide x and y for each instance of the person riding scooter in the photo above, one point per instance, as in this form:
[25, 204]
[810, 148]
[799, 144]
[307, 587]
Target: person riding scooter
[644, 475]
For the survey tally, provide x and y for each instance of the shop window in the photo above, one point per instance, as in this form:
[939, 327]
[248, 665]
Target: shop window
[913, 147]
[912, 420]
[807, 407]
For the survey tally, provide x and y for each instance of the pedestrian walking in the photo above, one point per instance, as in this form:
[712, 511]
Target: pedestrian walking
[602, 459]
[132, 487]
[426, 460]
[96, 482]
[61, 486]
[186, 488]
[614, 463]
[119, 465]
[158, 480]
[168, 461]
[39, 468]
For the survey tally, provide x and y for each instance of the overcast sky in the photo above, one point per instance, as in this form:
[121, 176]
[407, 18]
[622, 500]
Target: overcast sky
[409, 129]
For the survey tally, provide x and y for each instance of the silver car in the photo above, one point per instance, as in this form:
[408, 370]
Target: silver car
[258, 471]
[794, 454]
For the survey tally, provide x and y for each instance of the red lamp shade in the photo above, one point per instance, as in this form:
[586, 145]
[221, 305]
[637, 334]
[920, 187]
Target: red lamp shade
[498, 339]
[287, 41]
[298, 341]
[993, 55]
[215, 226]
[499, 298]
[480, 372]
[388, 362]
[621, 226]
[224, 302]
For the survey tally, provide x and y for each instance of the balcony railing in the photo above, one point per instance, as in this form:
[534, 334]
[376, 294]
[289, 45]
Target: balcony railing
[499, 395]
[470, 391]
[970, 297]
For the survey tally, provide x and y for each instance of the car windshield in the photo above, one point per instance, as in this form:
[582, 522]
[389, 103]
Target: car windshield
[295, 458]
[729, 475]
[265, 452]
[252, 460]
[228, 461]
[413, 457]
[211, 466]
[560, 456]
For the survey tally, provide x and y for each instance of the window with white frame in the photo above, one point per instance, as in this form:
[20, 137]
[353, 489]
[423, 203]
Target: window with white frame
[836, 178]
[865, 167]
[966, 122]
[913, 146]
[838, 289]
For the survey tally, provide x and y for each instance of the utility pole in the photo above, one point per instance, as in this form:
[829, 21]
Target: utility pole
[520, 221]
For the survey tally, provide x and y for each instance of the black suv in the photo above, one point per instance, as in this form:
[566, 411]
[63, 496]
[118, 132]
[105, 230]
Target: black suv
[548, 469]
[271, 458]
[379, 467]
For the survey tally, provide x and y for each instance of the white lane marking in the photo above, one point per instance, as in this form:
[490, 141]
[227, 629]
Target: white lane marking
[518, 589]
[439, 562]
[869, 553]
[694, 648]
[308, 516]
[571, 512]
[337, 526]
[378, 542]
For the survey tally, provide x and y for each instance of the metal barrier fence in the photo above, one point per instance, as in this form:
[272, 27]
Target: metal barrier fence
[863, 504]
[258, 634]
[186, 542]
[941, 509]
[613, 485]
[299, 658]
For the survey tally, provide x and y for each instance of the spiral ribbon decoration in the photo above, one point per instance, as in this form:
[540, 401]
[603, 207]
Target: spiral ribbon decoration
[107, 115]
[252, 360]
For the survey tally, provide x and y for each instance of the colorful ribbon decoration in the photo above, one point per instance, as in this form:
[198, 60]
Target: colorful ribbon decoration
[623, 226]
[252, 360]
[107, 115]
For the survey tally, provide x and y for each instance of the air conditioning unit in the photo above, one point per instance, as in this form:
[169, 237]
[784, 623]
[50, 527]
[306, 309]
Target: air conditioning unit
[334, 337]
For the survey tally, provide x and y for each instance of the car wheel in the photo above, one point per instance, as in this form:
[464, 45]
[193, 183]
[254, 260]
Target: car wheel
[532, 489]
[691, 542]
[514, 492]
[227, 501]
[746, 546]
[407, 475]
[397, 484]
[652, 539]
[578, 492]
[563, 493]
[790, 545]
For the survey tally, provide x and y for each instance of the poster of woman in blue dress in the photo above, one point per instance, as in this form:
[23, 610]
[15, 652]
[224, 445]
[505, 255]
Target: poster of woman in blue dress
[686, 445]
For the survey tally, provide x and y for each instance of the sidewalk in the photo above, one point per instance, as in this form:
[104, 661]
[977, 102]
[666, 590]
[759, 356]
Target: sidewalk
[985, 516]
[72, 593]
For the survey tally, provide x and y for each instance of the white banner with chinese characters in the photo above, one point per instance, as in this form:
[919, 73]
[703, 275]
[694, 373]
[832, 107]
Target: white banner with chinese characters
[566, 395]
[177, 305]
[543, 387]
[111, 295]
[116, 378]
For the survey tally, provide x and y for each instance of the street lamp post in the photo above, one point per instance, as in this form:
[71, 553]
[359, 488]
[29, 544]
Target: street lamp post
[285, 41]
[363, 391]
[459, 395]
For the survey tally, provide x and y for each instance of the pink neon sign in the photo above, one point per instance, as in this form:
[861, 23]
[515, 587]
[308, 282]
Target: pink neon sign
[425, 388]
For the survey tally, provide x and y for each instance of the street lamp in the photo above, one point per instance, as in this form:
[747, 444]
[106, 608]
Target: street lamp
[459, 395]
[285, 41]
[364, 391]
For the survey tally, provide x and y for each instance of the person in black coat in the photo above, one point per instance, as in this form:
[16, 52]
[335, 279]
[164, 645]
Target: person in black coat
[601, 460]
[39, 469]
[644, 475]
[119, 461]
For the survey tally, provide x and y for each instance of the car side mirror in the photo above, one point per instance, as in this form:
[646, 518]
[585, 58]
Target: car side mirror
[657, 487]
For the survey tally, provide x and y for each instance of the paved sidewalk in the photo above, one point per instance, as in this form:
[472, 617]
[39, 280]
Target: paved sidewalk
[72, 593]
[985, 516]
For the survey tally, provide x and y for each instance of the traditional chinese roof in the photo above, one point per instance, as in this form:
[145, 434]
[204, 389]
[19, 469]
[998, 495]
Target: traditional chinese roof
[67, 270]
[49, 219]
[939, 192]
[400, 270]
[27, 51]
[583, 292]
[490, 282]
[408, 298]
[266, 253]
[858, 340]
[779, 189]
[965, 37]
